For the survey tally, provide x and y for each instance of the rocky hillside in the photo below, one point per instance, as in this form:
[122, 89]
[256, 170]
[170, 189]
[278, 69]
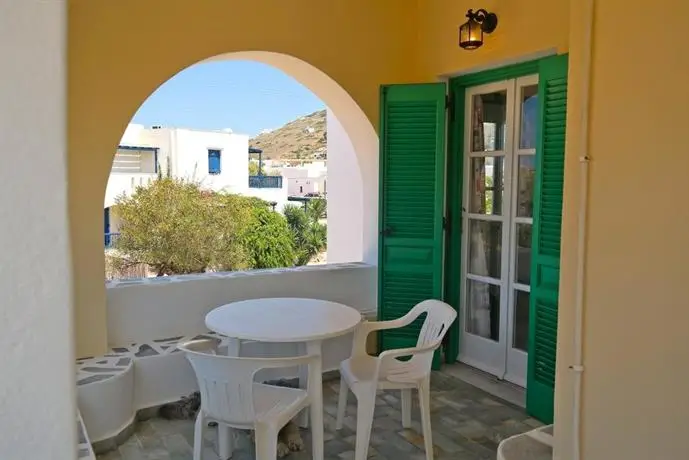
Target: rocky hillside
[303, 139]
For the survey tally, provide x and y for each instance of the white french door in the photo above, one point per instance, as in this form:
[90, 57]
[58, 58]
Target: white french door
[499, 172]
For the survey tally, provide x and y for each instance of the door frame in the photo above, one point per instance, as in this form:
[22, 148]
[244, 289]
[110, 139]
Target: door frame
[517, 359]
[493, 353]
[457, 87]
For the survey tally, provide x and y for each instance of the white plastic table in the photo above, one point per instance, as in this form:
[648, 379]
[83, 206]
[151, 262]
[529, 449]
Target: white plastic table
[293, 320]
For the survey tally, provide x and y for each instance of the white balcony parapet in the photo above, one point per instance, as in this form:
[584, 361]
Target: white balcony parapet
[148, 317]
[149, 308]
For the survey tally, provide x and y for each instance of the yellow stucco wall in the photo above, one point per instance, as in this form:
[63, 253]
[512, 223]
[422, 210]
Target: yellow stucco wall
[636, 311]
[119, 52]
[360, 44]
[636, 308]
[524, 27]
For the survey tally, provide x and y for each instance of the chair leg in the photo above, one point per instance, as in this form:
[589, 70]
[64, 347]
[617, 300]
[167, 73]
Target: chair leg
[364, 420]
[225, 441]
[266, 443]
[406, 408]
[342, 403]
[198, 435]
[425, 405]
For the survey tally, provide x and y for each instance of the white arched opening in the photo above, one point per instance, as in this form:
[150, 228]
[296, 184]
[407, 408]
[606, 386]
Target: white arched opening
[352, 181]
[179, 304]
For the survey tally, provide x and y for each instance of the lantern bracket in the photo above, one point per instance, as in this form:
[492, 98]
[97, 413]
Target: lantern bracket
[488, 21]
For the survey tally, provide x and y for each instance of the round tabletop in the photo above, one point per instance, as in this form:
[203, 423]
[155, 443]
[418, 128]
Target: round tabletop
[283, 320]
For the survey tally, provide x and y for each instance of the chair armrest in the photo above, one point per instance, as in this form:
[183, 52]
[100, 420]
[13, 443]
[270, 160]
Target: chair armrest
[399, 352]
[366, 327]
[418, 367]
[393, 323]
[371, 326]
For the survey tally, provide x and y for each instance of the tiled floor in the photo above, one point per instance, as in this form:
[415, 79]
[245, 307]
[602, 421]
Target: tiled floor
[467, 424]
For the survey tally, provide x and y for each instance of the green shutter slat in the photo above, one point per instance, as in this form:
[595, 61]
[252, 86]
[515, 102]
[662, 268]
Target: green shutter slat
[412, 150]
[545, 264]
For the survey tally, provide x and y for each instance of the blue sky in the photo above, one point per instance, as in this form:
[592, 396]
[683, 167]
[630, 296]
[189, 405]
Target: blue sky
[245, 96]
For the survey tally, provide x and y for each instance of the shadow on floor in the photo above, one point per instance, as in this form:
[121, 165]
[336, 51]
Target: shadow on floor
[468, 424]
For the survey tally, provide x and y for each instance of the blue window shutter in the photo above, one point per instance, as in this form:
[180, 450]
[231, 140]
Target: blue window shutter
[106, 220]
[213, 161]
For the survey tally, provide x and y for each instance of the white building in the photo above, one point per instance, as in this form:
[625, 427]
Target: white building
[192, 154]
[218, 160]
[307, 179]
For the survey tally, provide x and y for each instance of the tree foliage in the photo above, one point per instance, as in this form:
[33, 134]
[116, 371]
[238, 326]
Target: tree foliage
[308, 233]
[268, 240]
[176, 227]
[253, 170]
[316, 209]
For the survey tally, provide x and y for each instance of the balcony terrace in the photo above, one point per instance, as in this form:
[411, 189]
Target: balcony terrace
[467, 423]
[608, 303]
[119, 392]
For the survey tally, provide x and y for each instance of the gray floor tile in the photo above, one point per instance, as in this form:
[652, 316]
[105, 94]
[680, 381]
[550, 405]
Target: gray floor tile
[467, 424]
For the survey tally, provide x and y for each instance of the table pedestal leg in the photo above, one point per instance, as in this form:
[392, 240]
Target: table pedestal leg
[233, 347]
[312, 348]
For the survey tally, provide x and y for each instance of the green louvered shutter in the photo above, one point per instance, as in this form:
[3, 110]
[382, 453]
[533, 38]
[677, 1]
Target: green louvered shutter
[545, 265]
[412, 162]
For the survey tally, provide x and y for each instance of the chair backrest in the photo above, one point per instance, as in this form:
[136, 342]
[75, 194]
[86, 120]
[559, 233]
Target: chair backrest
[226, 382]
[439, 317]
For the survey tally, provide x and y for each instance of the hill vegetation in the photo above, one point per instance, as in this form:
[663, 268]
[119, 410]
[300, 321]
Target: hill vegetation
[300, 139]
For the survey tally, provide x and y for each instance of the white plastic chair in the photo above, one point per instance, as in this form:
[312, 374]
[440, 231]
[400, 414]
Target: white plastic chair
[230, 397]
[365, 374]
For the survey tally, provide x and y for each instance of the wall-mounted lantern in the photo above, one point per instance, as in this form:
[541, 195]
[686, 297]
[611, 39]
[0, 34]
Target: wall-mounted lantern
[471, 32]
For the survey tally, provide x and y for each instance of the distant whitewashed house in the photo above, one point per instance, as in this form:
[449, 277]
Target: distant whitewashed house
[218, 160]
[309, 179]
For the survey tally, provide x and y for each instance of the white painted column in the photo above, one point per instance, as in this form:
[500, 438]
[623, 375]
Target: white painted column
[345, 196]
[37, 403]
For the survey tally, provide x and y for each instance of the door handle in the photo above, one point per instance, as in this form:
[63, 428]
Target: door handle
[387, 231]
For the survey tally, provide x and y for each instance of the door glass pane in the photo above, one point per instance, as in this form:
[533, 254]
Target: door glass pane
[526, 175]
[489, 122]
[529, 117]
[483, 314]
[485, 238]
[520, 333]
[523, 265]
[487, 185]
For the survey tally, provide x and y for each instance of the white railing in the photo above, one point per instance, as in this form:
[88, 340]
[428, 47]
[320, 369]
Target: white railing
[148, 317]
[155, 308]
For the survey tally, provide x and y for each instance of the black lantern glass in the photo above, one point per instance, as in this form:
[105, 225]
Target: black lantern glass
[470, 35]
[471, 32]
